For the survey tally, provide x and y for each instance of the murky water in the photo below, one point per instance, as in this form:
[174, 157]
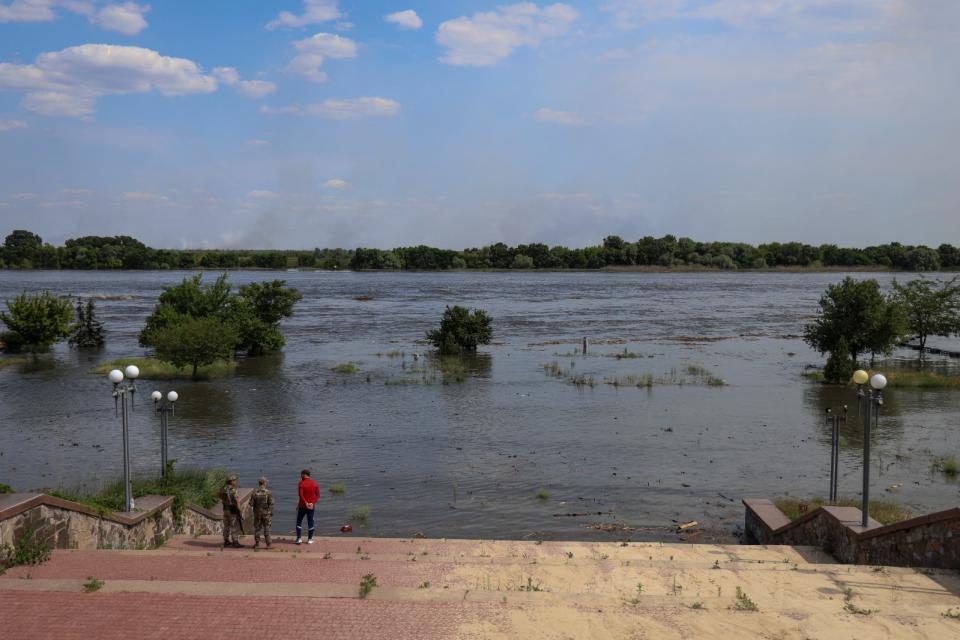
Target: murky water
[467, 459]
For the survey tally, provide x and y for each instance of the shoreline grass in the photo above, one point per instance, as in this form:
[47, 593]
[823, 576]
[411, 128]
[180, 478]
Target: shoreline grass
[188, 486]
[883, 511]
[901, 379]
[156, 369]
[346, 367]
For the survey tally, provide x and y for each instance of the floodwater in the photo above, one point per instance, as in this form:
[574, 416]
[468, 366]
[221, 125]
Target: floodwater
[466, 459]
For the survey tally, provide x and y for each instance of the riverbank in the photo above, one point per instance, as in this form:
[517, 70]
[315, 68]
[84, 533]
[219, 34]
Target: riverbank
[428, 588]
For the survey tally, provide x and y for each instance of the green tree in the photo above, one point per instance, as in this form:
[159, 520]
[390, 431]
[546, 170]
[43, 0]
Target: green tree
[195, 342]
[22, 249]
[35, 322]
[88, 331]
[257, 311]
[461, 330]
[929, 309]
[521, 261]
[857, 314]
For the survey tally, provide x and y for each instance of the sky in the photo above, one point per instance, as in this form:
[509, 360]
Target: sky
[326, 123]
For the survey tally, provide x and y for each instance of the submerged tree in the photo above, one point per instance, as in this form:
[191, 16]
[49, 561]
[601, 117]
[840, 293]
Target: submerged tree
[195, 342]
[88, 331]
[253, 314]
[35, 322]
[461, 330]
[857, 318]
[929, 309]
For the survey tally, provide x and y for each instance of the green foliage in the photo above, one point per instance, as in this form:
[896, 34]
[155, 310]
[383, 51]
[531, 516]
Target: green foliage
[35, 322]
[359, 514]
[744, 603]
[857, 313]
[155, 369]
[346, 367]
[195, 342]
[367, 583]
[252, 316]
[92, 584]
[338, 489]
[5, 488]
[947, 465]
[28, 549]
[543, 494]
[189, 486]
[88, 331]
[883, 511]
[21, 249]
[461, 330]
[850, 607]
[840, 366]
[929, 309]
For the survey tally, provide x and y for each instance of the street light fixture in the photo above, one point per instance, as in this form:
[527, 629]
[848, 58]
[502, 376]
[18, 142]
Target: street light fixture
[120, 392]
[870, 402]
[164, 409]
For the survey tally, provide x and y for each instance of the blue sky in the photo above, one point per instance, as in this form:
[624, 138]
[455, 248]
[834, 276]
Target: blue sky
[311, 123]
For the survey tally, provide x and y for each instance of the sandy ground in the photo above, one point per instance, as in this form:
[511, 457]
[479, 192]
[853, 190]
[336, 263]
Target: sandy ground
[510, 589]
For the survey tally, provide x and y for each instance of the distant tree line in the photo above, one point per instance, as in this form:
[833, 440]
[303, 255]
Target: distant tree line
[25, 250]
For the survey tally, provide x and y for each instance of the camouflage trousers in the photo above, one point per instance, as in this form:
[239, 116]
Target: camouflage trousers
[261, 525]
[231, 527]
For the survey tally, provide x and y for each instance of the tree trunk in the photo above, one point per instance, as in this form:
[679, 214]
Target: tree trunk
[194, 371]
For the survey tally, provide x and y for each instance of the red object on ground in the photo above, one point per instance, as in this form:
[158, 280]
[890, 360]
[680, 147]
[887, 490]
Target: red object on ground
[347, 528]
[309, 492]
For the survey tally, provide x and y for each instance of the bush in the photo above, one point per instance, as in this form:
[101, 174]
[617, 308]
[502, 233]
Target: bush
[36, 321]
[461, 330]
[28, 549]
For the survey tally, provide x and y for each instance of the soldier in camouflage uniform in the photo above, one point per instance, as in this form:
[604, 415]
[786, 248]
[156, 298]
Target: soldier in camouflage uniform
[229, 498]
[262, 502]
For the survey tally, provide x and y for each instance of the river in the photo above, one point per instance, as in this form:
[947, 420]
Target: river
[466, 459]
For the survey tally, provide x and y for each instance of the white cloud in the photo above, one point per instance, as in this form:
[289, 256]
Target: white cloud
[249, 88]
[347, 109]
[486, 38]
[558, 117]
[337, 183]
[126, 18]
[314, 12]
[263, 194]
[313, 51]
[68, 82]
[405, 19]
[76, 192]
[257, 142]
[10, 125]
[776, 15]
[143, 196]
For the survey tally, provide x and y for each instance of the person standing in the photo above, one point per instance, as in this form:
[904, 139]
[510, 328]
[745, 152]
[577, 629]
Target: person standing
[230, 499]
[309, 492]
[262, 501]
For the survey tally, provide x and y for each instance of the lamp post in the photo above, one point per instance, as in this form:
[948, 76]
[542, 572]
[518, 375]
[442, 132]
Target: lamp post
[164, 409]
[835, 421]
[120, 391]
[871, 400]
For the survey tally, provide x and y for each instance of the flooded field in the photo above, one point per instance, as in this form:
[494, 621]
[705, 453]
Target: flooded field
[689, 398]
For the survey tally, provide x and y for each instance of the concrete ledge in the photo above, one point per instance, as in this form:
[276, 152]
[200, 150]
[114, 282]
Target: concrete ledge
[931, 540]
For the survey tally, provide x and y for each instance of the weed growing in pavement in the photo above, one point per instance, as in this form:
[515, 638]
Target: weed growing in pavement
[849, 607]
[27, 549]
[92, 584]
[697, 605]
[367, 583]
[529, 586]
[950, 613]
[424, 585]
[744, 603]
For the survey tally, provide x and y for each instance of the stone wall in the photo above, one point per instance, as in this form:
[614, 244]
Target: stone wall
[926, 541]
[69, 525]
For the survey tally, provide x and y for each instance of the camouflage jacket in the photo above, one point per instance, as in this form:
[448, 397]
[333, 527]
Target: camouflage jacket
[262, 501]
[229, 497]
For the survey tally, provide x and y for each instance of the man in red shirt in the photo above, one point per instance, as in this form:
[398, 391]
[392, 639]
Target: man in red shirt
[309, 492]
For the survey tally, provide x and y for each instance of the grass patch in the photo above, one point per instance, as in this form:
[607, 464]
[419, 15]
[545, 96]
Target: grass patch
[692, 375]
[9, 362]
[92, 584]
[26, 550]
[850, 607]
[744, 603]
[402, 382]
[883, 511]
[367, 583]
[5, 488]
[543, 494]
[580, 381]
[903, 379]
[189, 486]
[338, 489]
[947, 465]
[346, 367]
[154, 369]
[359, 514]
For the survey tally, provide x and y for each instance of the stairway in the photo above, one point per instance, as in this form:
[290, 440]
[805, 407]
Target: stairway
[193, 588]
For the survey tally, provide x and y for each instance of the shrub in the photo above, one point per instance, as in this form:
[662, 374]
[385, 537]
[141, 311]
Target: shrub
[461, 330]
